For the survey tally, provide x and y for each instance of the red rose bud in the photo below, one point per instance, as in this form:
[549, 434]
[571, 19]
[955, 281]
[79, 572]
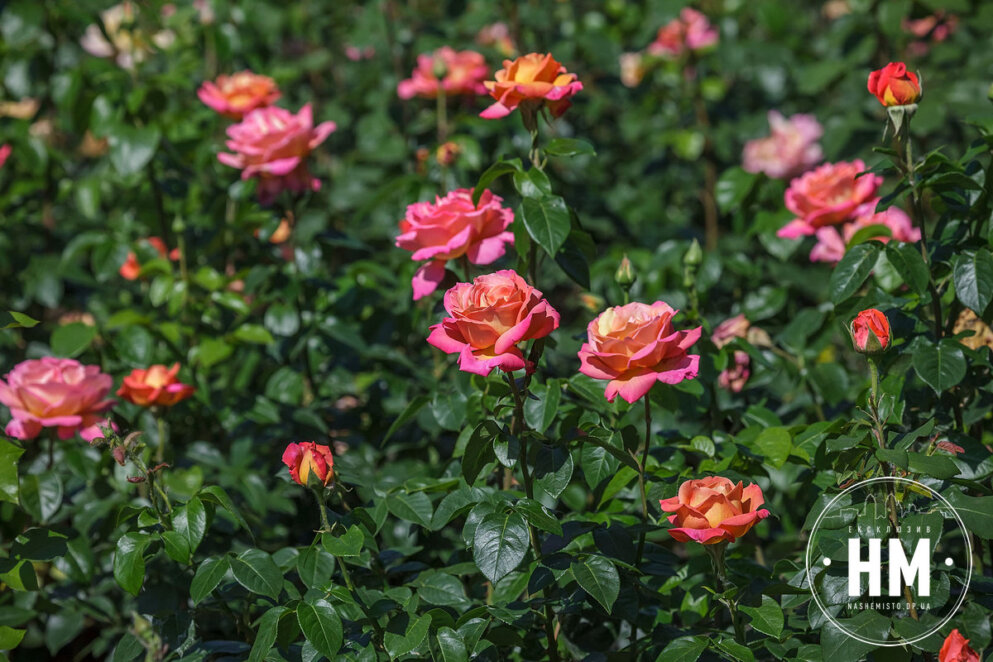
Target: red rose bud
[956, 649]
[870, 331]
[893, 85]
[310, 464]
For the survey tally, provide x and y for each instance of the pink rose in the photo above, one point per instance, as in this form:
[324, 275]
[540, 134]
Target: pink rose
[828, 195]
[272, 144]
[236, 95]
[713, 510]
[729, 329]
[831, 244]
[451, 227]
[635, 346]
[462, 73]
[790, 149]
[735, 376]
[60, 393]
[488, 318]
[5, 151]
[690, 32]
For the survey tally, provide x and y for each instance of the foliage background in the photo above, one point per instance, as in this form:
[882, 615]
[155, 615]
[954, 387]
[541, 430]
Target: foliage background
[329, 346]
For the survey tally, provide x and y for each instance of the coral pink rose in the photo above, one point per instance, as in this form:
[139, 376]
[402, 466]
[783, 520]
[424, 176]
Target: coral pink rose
[462, 73]
[235, 95]
[487, 320]
[956, 649]
[308, 459]
[272, 144]
[729, 329]
[790, 149]
[451, 227]
[635, 346]
[155, 386]
[893, 85]
[713, 510]
[532, 81]
[828, 195]
[831, 243]
[59, 393]
[691, 31]
[4, 153]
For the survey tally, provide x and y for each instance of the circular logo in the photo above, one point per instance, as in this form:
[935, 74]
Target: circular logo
[888, 561]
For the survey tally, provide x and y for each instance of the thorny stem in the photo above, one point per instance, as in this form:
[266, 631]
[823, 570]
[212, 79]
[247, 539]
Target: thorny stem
[642, 466]
[716, 553]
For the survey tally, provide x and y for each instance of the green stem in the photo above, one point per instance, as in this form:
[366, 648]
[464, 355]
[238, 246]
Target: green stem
[442, 114]
[325, 524]
[466, 273]
[160, 450]
[716, 553]
[642, 466]
[874, 374]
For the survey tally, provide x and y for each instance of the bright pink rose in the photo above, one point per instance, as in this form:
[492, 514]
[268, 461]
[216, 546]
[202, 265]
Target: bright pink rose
[236, 95]
[488, 318]
[790, 149]
[464, 73]
[690, 32]
[713, 509]
[4, 153]
[62, 393]
[735, 376]
[272, 144]
[635, 346]
[831, 244]
[451, 227]
[828, 195]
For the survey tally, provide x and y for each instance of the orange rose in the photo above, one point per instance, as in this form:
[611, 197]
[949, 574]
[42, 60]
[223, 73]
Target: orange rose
[893, 85]
[155, 386]
[308, 459]
[534, 80]
[870, 331]
[235, 95]
[713, 510]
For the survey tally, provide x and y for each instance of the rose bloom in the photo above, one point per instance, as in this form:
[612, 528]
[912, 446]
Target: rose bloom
[308, 459]
[488, 318]
[870, 331]
[131, 269]
[735, 376]
[632, 69]
[497, 35]
[451, 227]
[155, 386]
[534, 80]
[713, 510]
[956, 649]
[828, 195]
[464, 73]
[272, 144]
[893, 85]
[235, 95]
[691, 31]
[59, 393]
[932, 29]
[635, 346]
[790, 149]
[831, 243]
[5, 151]
[128, 45]
[729, 329]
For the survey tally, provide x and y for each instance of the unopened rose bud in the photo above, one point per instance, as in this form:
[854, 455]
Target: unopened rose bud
[440, 68]
[120, 455]
[694, 255]
[136, 479]
[310, 464]
[625, 276]
[447, 153]
[870, 332]
[893, 85]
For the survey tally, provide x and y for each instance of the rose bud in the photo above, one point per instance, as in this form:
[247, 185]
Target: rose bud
[310, 464]
[155, 386]
[870, 332]
[956, 649]
[625, 276]
[713, 510]
[893, 85]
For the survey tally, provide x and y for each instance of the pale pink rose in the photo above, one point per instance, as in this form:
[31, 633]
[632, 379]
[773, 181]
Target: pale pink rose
[635, 346]
[935, 28]
[790, 149]
[734, 377]
[128, 44]
[5, 151]
[59, 393]
[461, 72]
[272, 144]
[487, 320]
[690, 32]
[498, 36]
[729, 329]
[831, 243]
[236, 95]
[451, 227]
[828, 195]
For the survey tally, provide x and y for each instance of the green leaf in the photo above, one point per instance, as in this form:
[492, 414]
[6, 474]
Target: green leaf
[941, 366]
[539, 516]
[39, 545]
[254, 334]
[72, 339]
[775, 444]
[451, 646]
[216, 494]
[908, 262]
[936, 466]
[21, 321]
[547, 221]
[532, 183]
[598, 576]
[597, 464]
[176, 546]
[684, 649]
[348, 544]
[257, 572]
[733, 187]
[41, 494]
[491, 174]
[768, 618]
[414, 507]
[398, 645]
[443, 590]
[208, 576]
[265, 636]
[553, 469]
[129, 561]
[131, 148]
[479, 450]
[868, 233]
[976, 512]
[852, 271]
[973, 276]
[190, 521]
[9, 455]
[408, 413]
[321, 625]
[568, 147]
[315, 565]
[499, 544]
[10, 638]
